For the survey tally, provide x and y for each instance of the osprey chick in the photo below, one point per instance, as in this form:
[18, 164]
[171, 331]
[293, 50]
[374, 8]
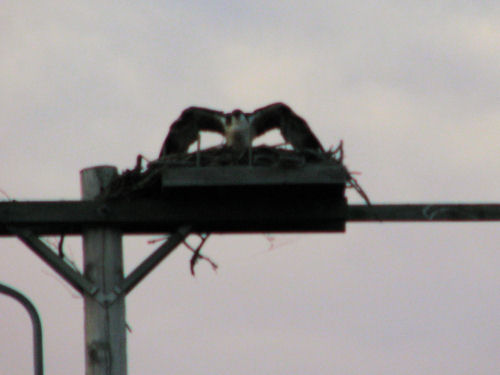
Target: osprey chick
[239, 128]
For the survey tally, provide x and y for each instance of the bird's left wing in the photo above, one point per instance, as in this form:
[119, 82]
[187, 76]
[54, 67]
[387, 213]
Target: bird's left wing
[184, 131]
[294, 128]
[267, 118]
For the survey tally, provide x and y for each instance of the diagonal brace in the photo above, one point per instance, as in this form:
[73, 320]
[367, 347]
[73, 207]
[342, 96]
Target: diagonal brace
[147, 265]
[73, 277]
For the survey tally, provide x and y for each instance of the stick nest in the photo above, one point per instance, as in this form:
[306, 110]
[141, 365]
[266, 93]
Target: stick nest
[146, 182]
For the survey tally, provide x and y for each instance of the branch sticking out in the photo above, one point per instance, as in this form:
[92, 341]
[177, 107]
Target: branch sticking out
[197, 254]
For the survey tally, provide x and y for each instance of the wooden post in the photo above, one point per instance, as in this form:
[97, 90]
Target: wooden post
[105, 327]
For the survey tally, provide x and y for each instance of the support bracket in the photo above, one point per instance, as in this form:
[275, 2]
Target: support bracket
[75, 278]
[143, 269]
[148, 264]
[81, 284]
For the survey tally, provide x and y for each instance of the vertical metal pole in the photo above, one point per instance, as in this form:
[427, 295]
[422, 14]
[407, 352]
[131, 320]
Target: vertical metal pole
[37, 326]
[105, 327]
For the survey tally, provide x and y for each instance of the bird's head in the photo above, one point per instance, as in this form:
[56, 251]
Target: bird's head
[235, 118]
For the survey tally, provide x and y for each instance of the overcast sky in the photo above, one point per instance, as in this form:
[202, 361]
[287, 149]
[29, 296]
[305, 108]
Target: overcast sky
[413, 90]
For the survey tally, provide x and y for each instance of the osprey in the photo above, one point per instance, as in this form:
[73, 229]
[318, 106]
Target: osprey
[239, 128]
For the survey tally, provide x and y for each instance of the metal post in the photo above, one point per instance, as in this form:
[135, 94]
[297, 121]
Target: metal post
[37, 326]
[105, 327]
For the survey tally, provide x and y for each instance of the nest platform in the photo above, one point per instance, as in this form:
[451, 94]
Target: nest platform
[278, 190]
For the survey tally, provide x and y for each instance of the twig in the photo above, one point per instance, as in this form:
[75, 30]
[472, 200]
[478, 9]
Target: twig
[353, 183]
[197, 254]
[4, 193]
[156, 240]
[338, 153]
[60, 248]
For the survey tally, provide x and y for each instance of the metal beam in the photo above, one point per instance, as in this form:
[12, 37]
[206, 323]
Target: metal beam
[424, 212]
[150, 216]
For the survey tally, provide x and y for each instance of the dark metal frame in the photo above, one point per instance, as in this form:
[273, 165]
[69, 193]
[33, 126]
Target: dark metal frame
[36, 322]
[28, 220]
[158, 216]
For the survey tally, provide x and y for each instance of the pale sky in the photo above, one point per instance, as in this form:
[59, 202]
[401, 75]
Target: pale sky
[413, 90]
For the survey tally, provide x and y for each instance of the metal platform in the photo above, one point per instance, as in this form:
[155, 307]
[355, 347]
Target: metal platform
[225, 199]
[256, 199]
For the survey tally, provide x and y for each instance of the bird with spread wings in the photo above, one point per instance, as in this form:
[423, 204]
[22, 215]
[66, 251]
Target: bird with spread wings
[239, 128]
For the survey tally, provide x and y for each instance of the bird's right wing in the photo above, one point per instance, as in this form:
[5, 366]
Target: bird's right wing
[184, 131]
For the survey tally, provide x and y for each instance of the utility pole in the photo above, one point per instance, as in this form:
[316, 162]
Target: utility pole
[105, 327]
